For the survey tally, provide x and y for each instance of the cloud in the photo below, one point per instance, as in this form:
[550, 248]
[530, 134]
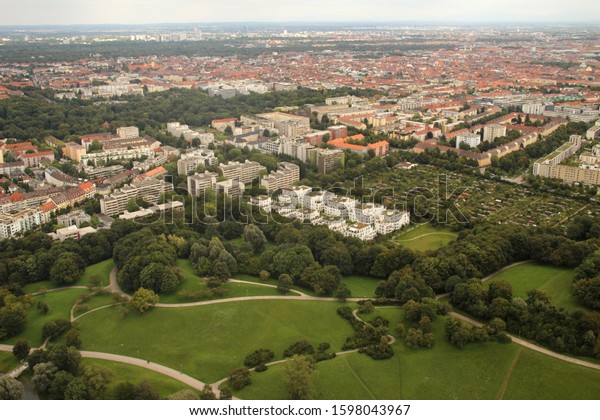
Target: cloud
[25, 12]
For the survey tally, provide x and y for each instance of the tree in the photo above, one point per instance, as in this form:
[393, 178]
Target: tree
[342, 292]
[132, 205]
[72, 338]
[239, 378]
[367, 307]
[96, 379]
[255, 237]
[76, 390]
[284, 283]
[67, 269]
[298, 375]
[264, 275]
[21, 349]
[144, 299]
[145, 391]
[10, 388]
[59, 385]
[124, 391]
[225, 394]
[43, 376]
[65, 358]
[207, 393]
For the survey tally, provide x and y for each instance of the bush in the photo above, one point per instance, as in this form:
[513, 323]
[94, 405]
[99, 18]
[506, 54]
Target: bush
[55, 328]
[299, 347]
[258, 357]
[239, 378]
[261, 368]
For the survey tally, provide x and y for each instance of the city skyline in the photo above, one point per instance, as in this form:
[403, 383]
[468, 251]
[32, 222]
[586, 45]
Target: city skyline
[70, 12]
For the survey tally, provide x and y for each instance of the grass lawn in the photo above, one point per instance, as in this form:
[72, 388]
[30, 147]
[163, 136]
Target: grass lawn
[7, 361]
[555, 281]
[123, 372]
[211, 340]
[102, 269]
[60, 304]
[194, 282]
[425, 237]
[95, 301]
[479, 371]
[361, 286]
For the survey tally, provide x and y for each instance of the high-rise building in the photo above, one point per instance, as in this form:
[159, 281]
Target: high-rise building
[473, 140]
[492, 131]
[198, 183]
[330, 160]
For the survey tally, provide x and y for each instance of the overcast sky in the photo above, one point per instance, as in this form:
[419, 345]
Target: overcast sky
[64, 12]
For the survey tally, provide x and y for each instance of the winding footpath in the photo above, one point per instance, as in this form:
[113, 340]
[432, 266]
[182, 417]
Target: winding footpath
[198, 385]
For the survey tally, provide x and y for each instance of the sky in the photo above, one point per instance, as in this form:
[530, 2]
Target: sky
[68, 12]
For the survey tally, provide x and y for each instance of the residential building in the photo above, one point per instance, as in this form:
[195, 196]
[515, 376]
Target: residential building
[197, 184]
[12, 225]
[243, 172]
[58, 178]
[190, 161]
[74, 151]
[491, 131]
[473, 140]
[150, 190]
[230, 187]
[33, 160]
[74, 218]
[285, 176]
[223, 123]
[329, 160]
[128, 132]
[338, 131]
[533, 108]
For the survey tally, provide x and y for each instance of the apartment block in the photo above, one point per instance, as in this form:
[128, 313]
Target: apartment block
[149, 189]
[473, 140]
[329, 160]
[12, 225]
[128, 132]
[491, 131]
[243, 172]
[197, 184]
[285, 176]
[190, 161]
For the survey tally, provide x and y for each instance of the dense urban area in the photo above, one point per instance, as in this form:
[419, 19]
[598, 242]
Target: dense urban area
[306, 212]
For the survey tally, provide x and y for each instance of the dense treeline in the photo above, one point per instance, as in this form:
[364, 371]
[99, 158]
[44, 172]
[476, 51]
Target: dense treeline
[36, 115]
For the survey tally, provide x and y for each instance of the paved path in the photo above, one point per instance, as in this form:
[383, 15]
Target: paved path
[114, 284]
[155, 367]
[503, 269]
[254, 283]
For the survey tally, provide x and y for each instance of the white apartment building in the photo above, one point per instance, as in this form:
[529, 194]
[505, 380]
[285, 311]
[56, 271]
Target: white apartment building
[197, 184]
[243, 172]
[390, 221]
[12, 225]
[148, 189]
[190, 161]
[473, 140]
[100, 158]
[533, 108]
[285, 176]
[128, 132]
[361, 231]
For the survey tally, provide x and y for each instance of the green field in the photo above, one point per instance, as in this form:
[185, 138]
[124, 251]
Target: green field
[425, 237]
[555, 281]
[480, 371]
[123, 372]
[7, 361]
[193, 282]
[210, 340]
[102, 269]
[59, 302]
[361, 286]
